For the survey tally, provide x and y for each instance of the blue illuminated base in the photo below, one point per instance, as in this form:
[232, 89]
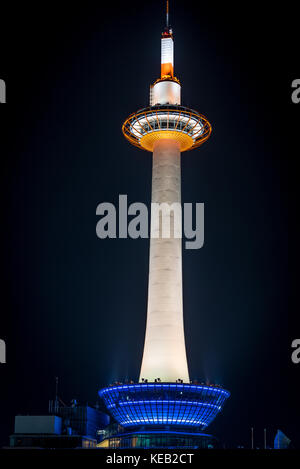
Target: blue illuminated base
[169, 406]
[160, 439]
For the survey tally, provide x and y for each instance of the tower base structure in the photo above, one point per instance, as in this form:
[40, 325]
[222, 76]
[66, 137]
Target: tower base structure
[163, 415]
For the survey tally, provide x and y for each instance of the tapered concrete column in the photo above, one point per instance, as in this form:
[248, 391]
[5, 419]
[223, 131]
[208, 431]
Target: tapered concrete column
[164, 350]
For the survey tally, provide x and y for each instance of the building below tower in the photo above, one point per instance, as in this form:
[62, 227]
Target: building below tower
[65, 427]
[155, 439]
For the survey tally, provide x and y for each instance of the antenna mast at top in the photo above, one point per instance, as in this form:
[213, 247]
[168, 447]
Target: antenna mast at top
[56, 388]
[167, 14]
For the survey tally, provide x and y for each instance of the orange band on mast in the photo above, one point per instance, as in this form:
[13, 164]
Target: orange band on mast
[167, 70]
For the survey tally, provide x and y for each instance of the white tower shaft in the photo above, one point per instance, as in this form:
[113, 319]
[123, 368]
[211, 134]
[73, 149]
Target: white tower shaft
[164, 350]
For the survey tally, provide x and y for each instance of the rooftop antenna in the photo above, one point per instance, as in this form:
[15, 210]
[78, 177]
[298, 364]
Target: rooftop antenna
[265, 438]
[56, 403]
[167, 15]
[56, 388]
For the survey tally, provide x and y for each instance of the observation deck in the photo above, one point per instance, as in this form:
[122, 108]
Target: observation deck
[146, 126]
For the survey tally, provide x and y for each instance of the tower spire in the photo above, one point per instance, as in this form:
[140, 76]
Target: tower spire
[167, 49]
[167, 14]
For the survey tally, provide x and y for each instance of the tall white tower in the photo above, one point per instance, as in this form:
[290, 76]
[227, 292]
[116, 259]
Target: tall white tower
[164, 351]
[164, 400]
[166, 129]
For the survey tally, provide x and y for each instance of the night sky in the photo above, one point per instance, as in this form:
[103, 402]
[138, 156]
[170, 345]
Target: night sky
[74, 306]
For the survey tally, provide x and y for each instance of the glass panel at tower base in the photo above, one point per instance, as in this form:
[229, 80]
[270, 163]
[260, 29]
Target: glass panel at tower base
[160, 439]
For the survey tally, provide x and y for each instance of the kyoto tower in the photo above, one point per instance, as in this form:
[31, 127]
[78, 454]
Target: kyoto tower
[165, 400]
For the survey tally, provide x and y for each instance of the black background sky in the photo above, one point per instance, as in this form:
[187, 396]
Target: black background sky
[74, 306]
